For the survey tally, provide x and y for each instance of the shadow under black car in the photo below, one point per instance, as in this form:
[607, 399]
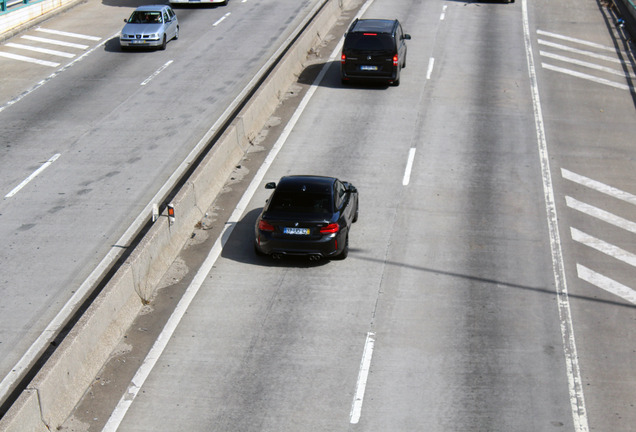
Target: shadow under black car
[240, 247]
[332, 77]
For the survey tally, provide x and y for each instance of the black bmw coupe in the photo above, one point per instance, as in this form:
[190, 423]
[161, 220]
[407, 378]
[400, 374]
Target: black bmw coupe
[307, 215]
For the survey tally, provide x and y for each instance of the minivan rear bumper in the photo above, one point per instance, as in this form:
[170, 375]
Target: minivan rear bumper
[369, 77]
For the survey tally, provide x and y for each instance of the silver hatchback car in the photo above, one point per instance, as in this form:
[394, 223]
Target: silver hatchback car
[150, 26]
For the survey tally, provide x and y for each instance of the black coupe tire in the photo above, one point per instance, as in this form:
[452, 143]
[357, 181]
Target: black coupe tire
[345, 252]
[257, 251]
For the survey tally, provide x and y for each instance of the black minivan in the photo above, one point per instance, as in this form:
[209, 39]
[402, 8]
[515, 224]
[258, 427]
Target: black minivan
[374, 49]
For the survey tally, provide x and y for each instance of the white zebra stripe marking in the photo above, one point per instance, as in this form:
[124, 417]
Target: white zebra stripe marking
[598, 186]
[600, 214]
[604, 247]
[69, 34]
[579, 51]
[586, 64]
[606, 283]
[40, 50]
[587, 77]
[28, 59]
[575, 40]
[54, 42]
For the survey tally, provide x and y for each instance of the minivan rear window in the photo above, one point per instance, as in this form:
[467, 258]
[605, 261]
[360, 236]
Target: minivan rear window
[379, 42]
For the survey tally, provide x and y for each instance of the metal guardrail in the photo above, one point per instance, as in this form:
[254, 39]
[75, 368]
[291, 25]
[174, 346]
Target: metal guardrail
[10, 5]
[628, 10]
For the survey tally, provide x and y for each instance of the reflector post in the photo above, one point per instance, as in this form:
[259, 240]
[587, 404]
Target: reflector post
[170, 208]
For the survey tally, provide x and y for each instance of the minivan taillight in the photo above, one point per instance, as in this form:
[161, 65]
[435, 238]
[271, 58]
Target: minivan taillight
[265, 226]
[330, 229]
[395, 60]
[343, 59]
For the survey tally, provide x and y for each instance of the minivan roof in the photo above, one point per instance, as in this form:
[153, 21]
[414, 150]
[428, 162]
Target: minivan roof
[374, 25]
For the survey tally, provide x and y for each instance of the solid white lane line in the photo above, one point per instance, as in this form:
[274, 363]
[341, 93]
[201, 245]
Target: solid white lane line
[69, 34]
[54, 42]
[587, 77]
[600, 214]
[606, 283]
[160, 344]
[575, 40]
[589, 65]
[157, 72]
[409, 166]
[32, 176]
[28, 59]
[573, 371]
[40, 50]
[429, 71]
[598, 186]
[363, 375]
[604, 247]
[220, 20]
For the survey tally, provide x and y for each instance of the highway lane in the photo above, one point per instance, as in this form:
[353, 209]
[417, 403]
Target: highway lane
[586, 68]
[114, 126]
[454, 295]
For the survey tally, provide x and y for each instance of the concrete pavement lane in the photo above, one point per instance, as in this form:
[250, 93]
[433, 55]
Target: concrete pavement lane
[450, 273]
[586, 71]
[115, 126]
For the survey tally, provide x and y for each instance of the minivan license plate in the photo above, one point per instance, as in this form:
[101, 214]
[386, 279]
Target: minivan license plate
[368, 68]
[297, 231]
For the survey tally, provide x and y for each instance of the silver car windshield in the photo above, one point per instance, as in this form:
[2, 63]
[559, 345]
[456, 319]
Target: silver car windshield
[145, 17]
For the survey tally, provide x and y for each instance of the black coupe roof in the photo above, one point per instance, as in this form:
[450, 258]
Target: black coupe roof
[306, 183]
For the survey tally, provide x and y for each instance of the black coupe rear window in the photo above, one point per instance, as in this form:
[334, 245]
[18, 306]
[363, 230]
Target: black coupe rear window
[301, 202]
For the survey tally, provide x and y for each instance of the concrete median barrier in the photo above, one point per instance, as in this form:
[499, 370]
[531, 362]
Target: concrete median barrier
[57, 388]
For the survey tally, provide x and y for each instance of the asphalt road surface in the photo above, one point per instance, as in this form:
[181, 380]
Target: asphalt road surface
[90, 134]
[489, 285]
